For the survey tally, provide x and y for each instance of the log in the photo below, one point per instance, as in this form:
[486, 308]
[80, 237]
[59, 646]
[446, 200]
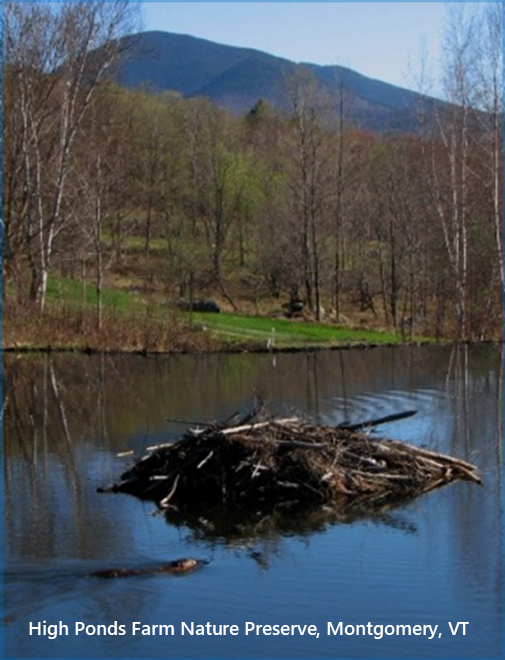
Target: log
[375, 422]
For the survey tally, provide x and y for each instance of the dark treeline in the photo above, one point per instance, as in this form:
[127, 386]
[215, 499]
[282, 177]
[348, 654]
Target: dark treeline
[253, 208]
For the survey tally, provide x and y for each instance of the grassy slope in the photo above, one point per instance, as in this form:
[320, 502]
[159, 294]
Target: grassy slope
[263, 332]
[135, 319]
[69, 292]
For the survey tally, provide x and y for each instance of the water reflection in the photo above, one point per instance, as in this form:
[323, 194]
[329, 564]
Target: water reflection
[67, 417]
[66, 414]
[245, 527]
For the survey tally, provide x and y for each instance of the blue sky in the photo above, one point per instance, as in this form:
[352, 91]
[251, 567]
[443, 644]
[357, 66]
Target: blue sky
[379, 39]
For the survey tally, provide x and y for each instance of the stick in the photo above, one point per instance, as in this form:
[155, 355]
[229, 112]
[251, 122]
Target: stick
[430, 454]
[375, 422]
[257, 468]
[202, 463]
[164, 502]
[258, 425]
[387, 475]
[468, 474]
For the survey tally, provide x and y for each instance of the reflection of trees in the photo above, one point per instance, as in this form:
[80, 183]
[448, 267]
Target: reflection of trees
[63, 411]
[48, 509]
[474, 393]
[66, 416]
[499, 414]
[116, 400]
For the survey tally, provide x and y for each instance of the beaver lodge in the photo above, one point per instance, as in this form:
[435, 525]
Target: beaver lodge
[270, 463]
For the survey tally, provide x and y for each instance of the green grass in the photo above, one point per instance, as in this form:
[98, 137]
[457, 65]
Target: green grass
[227, 330]
[70, 293]
[262, 331]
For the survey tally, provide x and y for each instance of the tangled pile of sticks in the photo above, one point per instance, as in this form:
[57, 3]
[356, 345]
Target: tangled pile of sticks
[270, 462]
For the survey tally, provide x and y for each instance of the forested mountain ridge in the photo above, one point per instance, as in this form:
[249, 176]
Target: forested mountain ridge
[236, 78]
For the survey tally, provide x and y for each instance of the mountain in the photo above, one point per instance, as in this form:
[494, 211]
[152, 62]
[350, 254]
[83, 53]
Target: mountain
[236, 78]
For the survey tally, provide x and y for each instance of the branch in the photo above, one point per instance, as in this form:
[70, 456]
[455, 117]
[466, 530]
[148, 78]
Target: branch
[375, 422]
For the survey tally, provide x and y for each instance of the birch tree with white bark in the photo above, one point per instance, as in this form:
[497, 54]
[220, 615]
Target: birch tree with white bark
[55, 56]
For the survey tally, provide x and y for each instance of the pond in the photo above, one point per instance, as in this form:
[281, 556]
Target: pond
[395, 584]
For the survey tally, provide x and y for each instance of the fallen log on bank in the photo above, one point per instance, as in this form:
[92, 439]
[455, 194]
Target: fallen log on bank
[287, 462]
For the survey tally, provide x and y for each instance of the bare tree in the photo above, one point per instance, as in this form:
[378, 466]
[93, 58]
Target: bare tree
[55, 56]
[466, 162]
[450, 164]
[488, 98]
[344, 173]
[310, 178]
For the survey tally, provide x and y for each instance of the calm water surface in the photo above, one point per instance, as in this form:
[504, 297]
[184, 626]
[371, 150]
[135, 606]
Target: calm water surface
[435, 560]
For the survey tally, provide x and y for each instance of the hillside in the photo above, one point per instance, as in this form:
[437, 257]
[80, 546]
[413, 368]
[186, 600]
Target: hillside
[235, 78]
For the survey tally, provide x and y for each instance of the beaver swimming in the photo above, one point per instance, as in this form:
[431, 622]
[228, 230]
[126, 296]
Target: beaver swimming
[175, 567]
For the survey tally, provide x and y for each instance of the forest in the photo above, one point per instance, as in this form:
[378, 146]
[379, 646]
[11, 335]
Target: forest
[161, 197]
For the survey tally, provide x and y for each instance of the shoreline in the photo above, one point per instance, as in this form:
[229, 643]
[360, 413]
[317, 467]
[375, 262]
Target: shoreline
[255, 350]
